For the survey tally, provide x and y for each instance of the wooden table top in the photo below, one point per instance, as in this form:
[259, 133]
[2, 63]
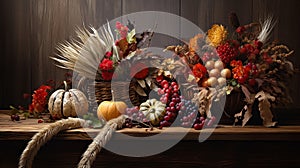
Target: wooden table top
[25, 129]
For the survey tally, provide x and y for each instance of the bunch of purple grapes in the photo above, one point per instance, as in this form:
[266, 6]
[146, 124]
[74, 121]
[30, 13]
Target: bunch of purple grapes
[190, 117]
[188, 113]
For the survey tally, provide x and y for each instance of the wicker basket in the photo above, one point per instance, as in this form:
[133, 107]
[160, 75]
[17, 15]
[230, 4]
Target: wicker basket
[103, 92]
[234, 104]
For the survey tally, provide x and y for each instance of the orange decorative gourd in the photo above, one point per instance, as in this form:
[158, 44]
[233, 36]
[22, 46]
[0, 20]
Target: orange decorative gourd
[111, 109]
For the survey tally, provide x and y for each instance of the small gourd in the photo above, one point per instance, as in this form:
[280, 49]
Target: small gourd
[65, 103]
[153, 110]
[111, 109]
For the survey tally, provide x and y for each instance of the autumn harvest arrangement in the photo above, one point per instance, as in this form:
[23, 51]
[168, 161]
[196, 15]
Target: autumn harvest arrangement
[118, 83]
[221, 63]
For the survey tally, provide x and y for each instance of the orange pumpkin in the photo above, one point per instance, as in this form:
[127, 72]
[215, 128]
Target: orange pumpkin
[110, 109]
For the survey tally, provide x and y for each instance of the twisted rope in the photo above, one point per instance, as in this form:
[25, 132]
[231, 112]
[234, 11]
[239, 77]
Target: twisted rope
[99, 141]
[44, 136]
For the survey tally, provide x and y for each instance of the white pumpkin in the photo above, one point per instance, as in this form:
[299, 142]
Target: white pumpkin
[154, 110]
[68, 103]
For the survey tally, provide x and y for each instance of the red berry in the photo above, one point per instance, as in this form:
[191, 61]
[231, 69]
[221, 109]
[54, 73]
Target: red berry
[210, 123]
[16, 117]
[166, 86]
[213, 118]
[12, 117]
[167, 95]
[240, 29]
[198, 126]
[167, 118]
[243, 50]
[108, 53]
[172, 104]
[241, 79]
[164, 100]
[184, 119]
[159, 78]
[168, 91]
[174, 100]
[202, 119]
[256, 51]
[258, 44]
[160, 91]
[40, 121]
[164, 82]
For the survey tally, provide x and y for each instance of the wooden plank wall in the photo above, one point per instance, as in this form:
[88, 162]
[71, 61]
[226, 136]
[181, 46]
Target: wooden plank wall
[30, 30]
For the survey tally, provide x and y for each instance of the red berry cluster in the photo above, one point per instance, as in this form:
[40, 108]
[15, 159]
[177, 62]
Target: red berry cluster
[253, 71]
[209, 56]
[251, 50]
[171, 97]
[15, 117]
[135, 114]
[228, 51]
[201, 122]
[135, 117]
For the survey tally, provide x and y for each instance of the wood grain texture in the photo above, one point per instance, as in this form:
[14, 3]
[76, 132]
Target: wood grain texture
[186, 154]
[169, 6]
[285, 31]
[31, 29]
[25, 129]
[15, 52]
[227, 147]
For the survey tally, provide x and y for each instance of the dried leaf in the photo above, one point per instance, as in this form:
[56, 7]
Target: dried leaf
[248, 114]
[259, 82]
[142, 83]
[130, 55]
[191, 78]
[209, 104]
[149, 81]
[140, 91]
[264, 108]
[290, 65]
[200, 99]
[153, 86]
[204, 100]
[131, 37]
[277, 89]
[246, 93]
